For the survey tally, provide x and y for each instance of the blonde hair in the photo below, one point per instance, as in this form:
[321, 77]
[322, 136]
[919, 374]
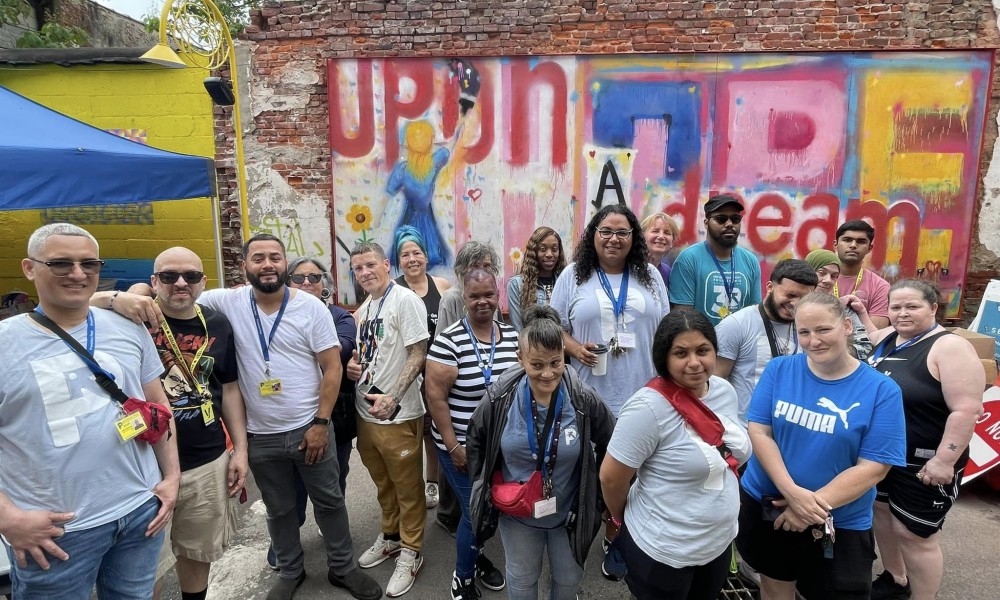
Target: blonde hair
[671, 224]
[419, 137]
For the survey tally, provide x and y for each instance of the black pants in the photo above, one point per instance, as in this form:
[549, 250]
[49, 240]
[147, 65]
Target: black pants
[648, 579]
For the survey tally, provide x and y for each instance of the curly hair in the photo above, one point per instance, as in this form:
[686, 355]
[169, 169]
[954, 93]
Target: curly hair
[636, 261]
[529, 266]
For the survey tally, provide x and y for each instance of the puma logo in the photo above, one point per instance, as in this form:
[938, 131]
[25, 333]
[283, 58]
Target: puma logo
[829, 405]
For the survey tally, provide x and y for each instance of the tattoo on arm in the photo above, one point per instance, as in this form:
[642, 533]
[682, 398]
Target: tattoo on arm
[952, 447]
[415, 355]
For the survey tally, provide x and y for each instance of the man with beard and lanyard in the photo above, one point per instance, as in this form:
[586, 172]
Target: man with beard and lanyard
[289, 373]
[751, 337]
[716, 278]
[855, 240]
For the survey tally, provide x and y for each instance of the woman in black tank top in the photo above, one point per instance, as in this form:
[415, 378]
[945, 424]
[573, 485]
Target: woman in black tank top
[412, 256]
[942, 384]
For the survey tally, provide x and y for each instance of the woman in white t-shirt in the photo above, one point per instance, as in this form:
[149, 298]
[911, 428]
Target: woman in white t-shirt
[680, 437]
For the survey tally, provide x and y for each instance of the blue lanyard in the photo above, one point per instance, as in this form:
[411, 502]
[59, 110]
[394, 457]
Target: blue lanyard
[877, 357]
[728, 284]
[618, 304]
[553, 433]
[91, 345]
[265, 346]
[368, 315]
[486, 368]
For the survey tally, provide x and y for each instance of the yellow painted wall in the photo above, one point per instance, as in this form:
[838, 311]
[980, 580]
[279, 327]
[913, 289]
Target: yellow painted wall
[171, 105]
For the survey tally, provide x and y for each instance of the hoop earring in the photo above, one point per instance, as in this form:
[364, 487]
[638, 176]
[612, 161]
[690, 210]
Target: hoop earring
[326, 293]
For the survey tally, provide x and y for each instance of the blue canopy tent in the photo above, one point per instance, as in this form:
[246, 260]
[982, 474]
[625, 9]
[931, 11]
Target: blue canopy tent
[49, 160]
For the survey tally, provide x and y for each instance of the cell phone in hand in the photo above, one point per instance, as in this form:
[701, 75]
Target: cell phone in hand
[768, 511]
[374, 389]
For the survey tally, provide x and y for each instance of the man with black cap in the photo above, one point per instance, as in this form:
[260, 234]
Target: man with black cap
[717, 278]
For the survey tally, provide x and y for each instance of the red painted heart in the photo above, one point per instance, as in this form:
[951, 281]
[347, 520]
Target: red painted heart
[593, 153]
[475, 194]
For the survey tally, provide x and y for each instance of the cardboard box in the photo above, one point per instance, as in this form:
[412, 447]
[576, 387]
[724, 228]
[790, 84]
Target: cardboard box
[982, 343]
[990, 367]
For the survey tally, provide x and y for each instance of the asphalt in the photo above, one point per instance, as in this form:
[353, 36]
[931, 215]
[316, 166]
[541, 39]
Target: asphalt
[971, 544]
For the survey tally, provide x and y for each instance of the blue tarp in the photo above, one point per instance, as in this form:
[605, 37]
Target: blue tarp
[49, 160]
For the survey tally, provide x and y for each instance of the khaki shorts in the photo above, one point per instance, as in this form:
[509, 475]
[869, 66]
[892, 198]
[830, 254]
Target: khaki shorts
[204, 517]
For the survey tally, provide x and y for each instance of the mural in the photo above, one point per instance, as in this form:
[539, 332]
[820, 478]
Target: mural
[489, 149]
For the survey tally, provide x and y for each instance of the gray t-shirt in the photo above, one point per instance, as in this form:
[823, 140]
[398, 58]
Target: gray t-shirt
[59, 448]
[743, 340]
[588, 316]
[518, 464]
[682, 509]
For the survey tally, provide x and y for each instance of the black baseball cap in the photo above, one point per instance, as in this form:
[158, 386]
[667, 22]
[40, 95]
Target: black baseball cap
[718, 201]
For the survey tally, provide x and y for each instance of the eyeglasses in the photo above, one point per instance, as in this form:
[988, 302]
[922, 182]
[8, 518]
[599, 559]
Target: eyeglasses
[723, 219]
[300, 279]
[62, 268]
[170, 277]
[622, 234]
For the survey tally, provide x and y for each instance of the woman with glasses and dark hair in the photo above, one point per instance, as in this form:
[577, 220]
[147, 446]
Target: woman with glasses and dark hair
[544, 259]
[539, 405]
[411, 254]
[679, 439]
[610, 300]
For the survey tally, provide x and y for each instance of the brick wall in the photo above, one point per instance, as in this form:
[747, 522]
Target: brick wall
[315, 31]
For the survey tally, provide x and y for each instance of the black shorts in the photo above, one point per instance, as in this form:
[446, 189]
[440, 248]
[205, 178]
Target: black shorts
[796, 556]
[921, 508]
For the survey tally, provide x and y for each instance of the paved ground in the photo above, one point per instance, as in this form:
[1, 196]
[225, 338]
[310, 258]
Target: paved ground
[971, 546]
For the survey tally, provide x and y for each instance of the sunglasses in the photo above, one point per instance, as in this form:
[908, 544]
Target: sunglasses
[62, 268]
[170, 277]
[723, 219]
[622, 234]
[300, 279]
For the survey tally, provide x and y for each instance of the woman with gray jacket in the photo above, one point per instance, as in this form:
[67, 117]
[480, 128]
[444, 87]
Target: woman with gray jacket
[535, 436]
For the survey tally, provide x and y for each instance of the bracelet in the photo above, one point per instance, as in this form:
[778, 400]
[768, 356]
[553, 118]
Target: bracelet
[457, 445]
[111, 305]
[615, 521]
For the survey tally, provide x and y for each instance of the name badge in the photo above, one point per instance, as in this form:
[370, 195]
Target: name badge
[626, 340]
[207, 413]
[269, 387]
[130, 426]
[545, 507]
[924, 453]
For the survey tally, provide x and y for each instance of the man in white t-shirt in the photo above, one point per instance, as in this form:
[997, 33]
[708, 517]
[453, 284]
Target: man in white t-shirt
[748, 340]
[288, 356]
[392, 343]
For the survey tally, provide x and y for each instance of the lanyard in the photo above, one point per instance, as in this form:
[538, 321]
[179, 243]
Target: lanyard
[91, 344]
[772, 338]
[189, 371]
[877, 357]
[550, 431]
[368, 335]
[265, 345]
[729, 284]
[857, 283]
[486, 368]
[617, 304]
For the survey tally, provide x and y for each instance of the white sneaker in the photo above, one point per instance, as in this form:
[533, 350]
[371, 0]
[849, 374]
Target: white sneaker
[432, 493]
[381, 550]
[407, 566]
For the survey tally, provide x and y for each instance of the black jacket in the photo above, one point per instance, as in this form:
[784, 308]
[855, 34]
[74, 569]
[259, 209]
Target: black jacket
[483, 452]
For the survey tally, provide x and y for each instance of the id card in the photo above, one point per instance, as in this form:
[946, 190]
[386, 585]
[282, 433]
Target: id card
[207, 413]
[626, 340]
[130, 426]
[269, 387]
[545, 507]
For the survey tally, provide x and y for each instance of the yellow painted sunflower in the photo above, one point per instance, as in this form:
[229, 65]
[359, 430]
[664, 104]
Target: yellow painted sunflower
[360, 217]
[515, 256]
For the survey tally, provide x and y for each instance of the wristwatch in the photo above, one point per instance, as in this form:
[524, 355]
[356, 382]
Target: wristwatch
[320, 421]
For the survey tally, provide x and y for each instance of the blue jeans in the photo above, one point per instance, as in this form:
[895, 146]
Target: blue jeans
[465, 542]
[275, 460]
[523, 547]
[117, 557]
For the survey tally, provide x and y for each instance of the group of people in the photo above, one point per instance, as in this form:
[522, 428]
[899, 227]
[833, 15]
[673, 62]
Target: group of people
[800, 426]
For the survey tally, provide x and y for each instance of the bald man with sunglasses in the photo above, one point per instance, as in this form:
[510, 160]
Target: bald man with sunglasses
[717, 277]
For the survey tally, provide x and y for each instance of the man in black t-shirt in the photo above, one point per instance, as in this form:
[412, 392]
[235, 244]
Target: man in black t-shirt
[200, 379]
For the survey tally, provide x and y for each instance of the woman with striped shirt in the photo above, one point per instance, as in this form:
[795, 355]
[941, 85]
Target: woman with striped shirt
[462, 362]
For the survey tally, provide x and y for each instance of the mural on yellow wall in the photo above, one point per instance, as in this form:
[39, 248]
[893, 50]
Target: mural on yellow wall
[165, 108]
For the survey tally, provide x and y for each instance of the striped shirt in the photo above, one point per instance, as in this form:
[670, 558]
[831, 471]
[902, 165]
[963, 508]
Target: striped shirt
[453, 347]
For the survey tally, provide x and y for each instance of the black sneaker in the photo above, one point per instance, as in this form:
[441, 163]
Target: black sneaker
[489, 575]
[451, 528]
[885, 588]
[284, 589]
[463, 589]
[359, 584]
